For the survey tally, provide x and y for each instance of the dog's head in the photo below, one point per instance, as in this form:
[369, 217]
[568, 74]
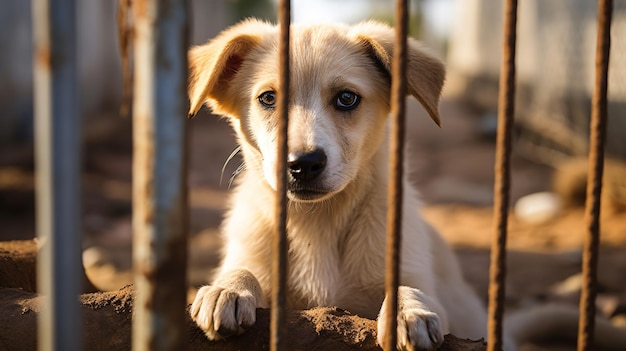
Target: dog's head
[339, 97]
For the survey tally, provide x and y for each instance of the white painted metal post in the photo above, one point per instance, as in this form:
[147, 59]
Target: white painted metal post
[57, 157]
[159, 174]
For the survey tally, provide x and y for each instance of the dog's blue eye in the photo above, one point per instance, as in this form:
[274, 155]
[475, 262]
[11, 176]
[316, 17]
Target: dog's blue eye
[346, 101]
[268, 99]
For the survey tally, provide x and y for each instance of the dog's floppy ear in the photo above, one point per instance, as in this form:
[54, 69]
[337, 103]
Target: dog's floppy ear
[212, 66]
[425, 73]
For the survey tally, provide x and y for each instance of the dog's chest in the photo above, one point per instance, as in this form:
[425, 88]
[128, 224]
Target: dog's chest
[337, 263]
[314, 272]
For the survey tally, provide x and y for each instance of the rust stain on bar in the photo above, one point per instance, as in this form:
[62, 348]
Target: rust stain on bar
[394, 200]
[43, 57]
[279, 257]
[506, 110]
[594, 180]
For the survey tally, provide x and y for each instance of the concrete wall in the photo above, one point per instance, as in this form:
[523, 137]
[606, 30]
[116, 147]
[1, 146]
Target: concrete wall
[555, 65]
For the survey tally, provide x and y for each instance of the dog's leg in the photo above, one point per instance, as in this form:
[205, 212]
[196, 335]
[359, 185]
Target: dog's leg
[228, 306]
[419, 328]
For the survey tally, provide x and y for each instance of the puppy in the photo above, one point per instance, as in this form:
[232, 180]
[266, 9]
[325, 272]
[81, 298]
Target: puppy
[337, 183]
[337, 180]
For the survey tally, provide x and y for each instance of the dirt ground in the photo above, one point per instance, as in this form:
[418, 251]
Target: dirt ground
[451, 166]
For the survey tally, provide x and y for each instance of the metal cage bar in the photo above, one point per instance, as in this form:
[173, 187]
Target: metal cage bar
[57, 159]
[396, 151]
[279, 258]
[159, 174]
[502, 169]
[594, 179]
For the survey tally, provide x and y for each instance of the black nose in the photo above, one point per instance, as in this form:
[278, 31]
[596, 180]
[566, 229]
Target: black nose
[306, 166]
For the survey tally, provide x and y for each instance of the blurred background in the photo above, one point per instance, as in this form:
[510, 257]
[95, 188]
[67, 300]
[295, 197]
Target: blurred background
[452, 166]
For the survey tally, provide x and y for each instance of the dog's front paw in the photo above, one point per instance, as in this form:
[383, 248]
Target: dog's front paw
[418, 329]
[222, 312]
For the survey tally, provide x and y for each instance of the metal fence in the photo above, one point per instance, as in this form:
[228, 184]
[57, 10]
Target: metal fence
[159, 217]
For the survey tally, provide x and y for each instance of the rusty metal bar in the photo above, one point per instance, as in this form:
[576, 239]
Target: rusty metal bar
[506, 110]
[159, 174]
[594, 179]
[279, 257]
[394, 199]
[124, 39]
[57, 158]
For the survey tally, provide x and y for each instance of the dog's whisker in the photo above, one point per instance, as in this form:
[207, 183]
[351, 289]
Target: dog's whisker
[239, 169]
[230, 157]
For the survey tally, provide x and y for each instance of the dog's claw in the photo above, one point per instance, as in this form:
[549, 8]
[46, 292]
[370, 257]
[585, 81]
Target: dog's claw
[418, 329]
[223, 312]
[423, 330]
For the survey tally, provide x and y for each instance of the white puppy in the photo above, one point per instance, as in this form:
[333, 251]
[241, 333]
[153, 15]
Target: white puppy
[337, 181]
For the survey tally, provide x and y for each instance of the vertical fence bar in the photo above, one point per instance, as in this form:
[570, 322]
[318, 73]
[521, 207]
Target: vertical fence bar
[594, 178]
[506, 110]
[394, 199]
[159, 174]
[57, 157]
[279, 257]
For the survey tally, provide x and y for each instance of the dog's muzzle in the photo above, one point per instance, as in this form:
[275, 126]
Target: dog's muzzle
[304, 170]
